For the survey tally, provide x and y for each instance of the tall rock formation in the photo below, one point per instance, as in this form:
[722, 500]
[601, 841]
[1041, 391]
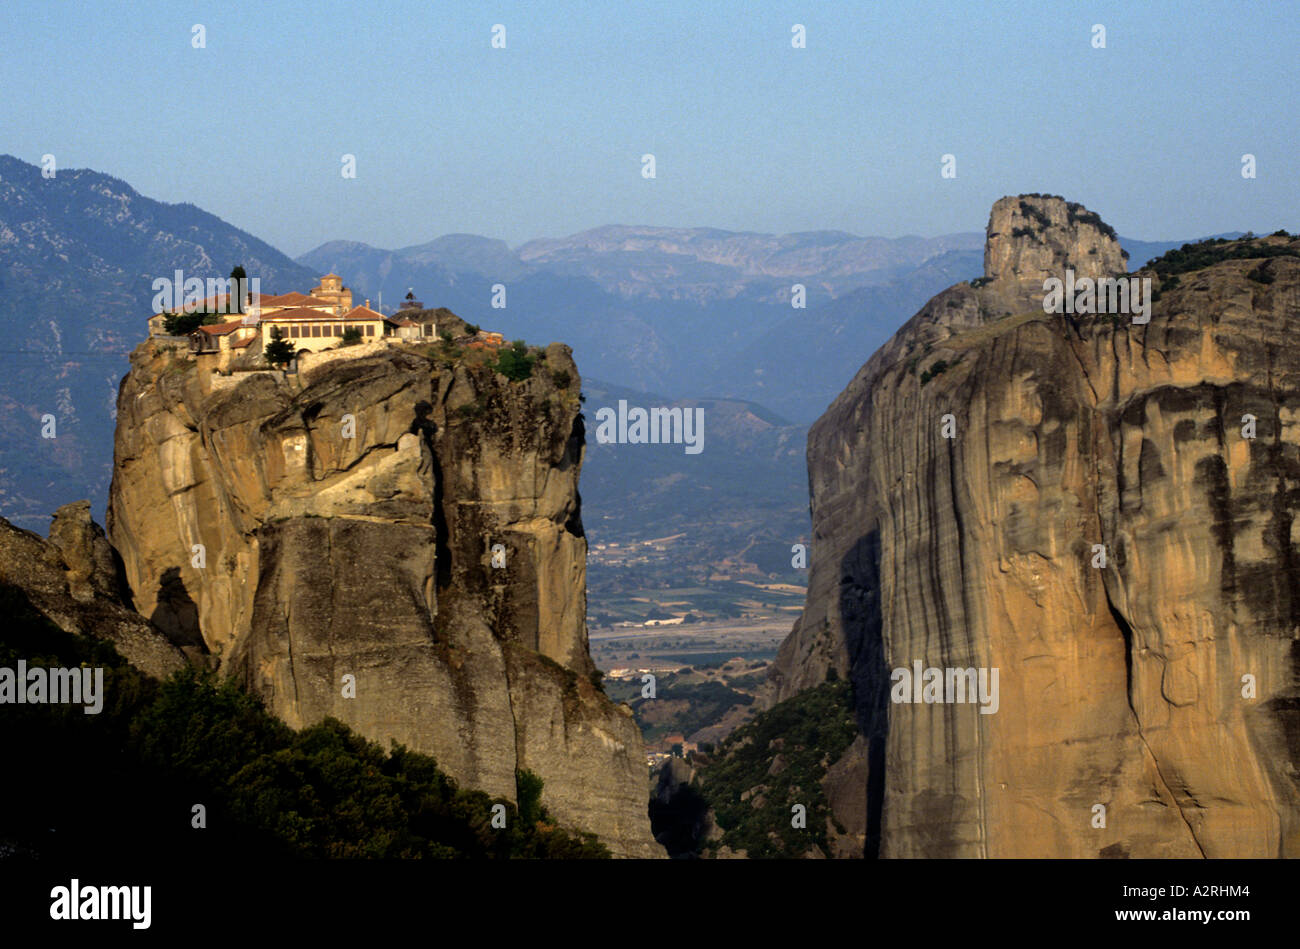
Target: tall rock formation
[344, 522]
[1163, 686]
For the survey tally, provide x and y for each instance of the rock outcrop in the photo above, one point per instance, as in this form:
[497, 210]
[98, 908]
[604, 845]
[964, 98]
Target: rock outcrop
[1149, 702]
[73, 580]
[397, 526]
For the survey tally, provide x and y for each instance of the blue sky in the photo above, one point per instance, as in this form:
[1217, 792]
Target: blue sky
[544, 138]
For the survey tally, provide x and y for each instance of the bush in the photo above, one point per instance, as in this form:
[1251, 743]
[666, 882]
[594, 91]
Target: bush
[528, 792]
[561, 378]
[351, 336]
[1260, 275]
[1034, 214]
[514, 362]
[1079, 215]
[933, 371]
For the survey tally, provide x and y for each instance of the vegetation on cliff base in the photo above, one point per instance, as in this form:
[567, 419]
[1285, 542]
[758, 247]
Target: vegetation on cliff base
[683, 702]
[777, 761]
[126, 781]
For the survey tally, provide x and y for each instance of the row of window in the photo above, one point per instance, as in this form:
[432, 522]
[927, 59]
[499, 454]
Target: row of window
[296, 331]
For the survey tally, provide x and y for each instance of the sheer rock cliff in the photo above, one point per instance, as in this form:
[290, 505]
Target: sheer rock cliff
[1123, 685]
[406, 519]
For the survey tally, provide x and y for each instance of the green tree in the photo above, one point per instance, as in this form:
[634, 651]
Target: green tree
[238, 273]
[183, 324]
[279, 350]
[514, 362]
[528, 791]
[351, 336]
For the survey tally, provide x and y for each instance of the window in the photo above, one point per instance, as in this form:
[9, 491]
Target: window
[294, 331]
[315, 329]
[370, 330]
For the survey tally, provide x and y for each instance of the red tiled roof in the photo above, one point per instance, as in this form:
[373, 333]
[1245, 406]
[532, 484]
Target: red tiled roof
[363, 313]
[221, 329]
[294, 298]
[241, 343]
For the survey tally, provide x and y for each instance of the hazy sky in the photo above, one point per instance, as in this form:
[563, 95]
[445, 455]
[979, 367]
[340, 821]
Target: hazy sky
[545, 137]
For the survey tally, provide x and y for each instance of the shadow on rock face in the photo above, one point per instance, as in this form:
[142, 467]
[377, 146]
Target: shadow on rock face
[177, 615]
[427, 429]
[868, 671]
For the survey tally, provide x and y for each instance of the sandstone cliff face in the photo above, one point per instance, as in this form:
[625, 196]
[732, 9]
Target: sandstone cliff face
[1120, 685]
[73, 580]
[250, 523]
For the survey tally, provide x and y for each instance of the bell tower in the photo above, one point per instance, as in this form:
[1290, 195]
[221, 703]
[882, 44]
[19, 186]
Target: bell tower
[332, 291]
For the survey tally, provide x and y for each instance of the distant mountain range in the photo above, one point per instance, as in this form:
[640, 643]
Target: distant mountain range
[692, 313]
[687, 311]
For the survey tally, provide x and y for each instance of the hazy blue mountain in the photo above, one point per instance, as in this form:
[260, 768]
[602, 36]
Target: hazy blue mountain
[78, 256]
[698, 265]
[705, 264]
[802, 363]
